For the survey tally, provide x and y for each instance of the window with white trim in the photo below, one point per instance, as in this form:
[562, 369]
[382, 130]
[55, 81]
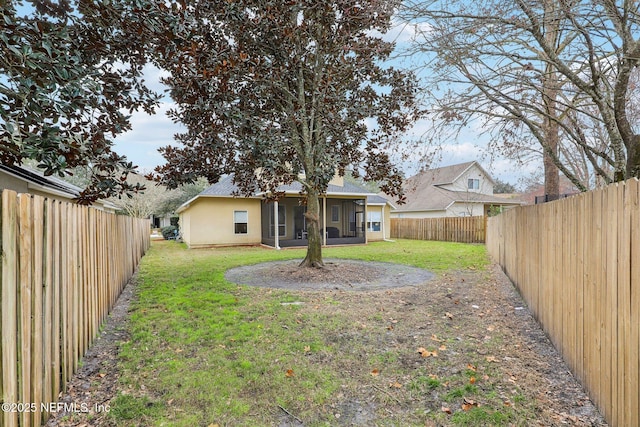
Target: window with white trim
[374, 221]
[473, 184]
[240, 222]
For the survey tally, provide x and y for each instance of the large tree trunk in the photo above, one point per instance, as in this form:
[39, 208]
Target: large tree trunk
[551, 172]
[314, 248]
[550, 89]
[633, 157]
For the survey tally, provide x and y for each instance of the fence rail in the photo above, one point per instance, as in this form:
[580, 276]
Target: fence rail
[470, 229]
[63, 267]
[577, 264]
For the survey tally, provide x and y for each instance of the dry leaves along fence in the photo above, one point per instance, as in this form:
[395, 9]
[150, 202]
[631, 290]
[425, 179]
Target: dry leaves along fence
[468, 229]
[63, 267]
[577, 264]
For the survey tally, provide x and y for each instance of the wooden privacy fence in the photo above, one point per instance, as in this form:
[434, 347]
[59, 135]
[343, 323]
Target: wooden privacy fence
[63, 267]
[576, 263]
[467, 229]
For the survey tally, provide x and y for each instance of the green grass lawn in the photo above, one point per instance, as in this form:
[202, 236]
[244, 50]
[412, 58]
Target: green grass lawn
[205, 352]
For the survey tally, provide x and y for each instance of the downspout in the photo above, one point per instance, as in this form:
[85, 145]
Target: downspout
[276, 225]
[365, 219]
[384, 236]
[324, 221]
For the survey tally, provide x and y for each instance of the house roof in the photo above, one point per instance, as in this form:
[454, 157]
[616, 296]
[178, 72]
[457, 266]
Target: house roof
[379, 200]
[443, 175]
[424, 192]
[48, 184]
[226, 188]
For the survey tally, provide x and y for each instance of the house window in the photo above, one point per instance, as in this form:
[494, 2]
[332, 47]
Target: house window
[240, 220]
[282, 221]
[473, 184]
[335, 213]
[374, 221]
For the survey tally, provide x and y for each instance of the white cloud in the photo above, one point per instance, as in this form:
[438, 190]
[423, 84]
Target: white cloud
[148, 133]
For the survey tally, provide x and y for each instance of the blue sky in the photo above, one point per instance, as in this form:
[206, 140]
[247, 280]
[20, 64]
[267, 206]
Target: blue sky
[148, 133]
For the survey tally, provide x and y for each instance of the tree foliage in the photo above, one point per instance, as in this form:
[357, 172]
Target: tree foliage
[70, 72]
[502, 187]
[275, 92]
[525, 67]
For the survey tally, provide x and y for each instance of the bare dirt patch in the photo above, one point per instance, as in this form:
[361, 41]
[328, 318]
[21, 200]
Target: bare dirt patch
[413, 346]
[337, 274]
[90, 392]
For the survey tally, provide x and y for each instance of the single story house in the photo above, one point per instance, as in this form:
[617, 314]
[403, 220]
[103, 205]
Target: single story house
[465, 189]
[349, 214]
[22, 179]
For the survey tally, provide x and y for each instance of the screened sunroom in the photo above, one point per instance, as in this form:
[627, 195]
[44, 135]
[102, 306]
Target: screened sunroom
[342, 221]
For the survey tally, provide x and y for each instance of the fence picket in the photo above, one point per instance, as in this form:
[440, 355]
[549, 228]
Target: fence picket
[579, 271]
[9, 305]
[62, 271]
[25, 225]
[460, 229]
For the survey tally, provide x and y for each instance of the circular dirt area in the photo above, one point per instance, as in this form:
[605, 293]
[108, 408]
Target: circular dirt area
[338, 274]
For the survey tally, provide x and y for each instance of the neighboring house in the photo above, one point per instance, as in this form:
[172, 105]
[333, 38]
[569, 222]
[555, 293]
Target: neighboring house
[22, 179]
[160, 221]
[465, 189]
[349, 214]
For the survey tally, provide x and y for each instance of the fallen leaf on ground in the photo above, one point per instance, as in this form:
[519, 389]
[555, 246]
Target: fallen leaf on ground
[471, 367]
[395, 385]
[446, 410]
[375, 372]
[289, 373]
[426, 353]
[449, 315]
[491, 359]
[468, 404]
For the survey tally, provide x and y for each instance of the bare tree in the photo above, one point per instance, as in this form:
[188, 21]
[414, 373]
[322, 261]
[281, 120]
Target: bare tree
[536, 70]
[155, 199]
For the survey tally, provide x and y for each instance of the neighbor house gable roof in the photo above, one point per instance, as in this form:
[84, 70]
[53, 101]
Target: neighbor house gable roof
[443, 175]
[423, 191]
[438, 199]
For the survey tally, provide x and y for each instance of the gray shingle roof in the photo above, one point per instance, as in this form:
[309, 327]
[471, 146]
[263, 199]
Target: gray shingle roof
[423, 193]
[39, 178]
[226, 188]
